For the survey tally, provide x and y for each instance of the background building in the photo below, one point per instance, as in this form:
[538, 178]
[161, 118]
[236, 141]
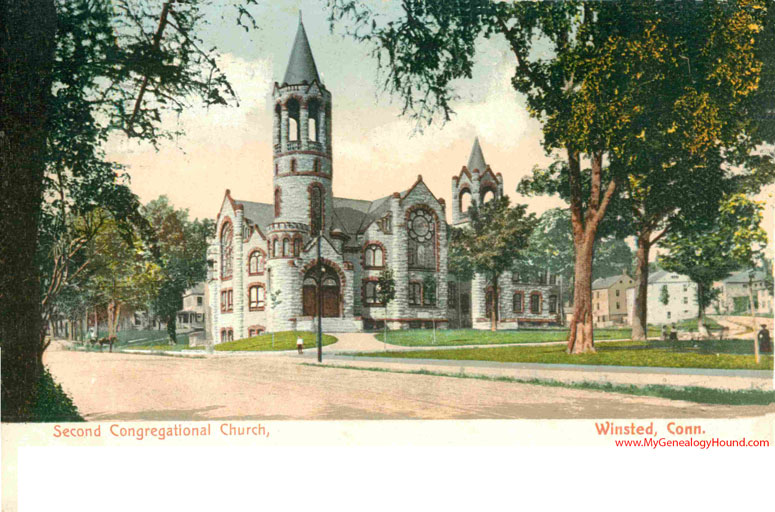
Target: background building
[609, 300]
[681, 295]
[522, 299]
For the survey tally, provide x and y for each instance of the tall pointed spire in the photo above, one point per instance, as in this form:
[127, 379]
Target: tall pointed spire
[301, 65]
[476, 160]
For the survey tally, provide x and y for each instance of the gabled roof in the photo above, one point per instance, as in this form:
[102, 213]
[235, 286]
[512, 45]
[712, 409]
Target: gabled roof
[476, 160]
[663, 275]
[259, 214]
[301, 65]
[349, 214]
[605, 282]
[742, 277]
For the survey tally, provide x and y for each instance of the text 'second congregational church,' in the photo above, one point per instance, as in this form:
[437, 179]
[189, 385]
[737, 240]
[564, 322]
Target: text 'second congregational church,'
[263, 260]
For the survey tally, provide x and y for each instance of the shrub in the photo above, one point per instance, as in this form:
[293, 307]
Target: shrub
[53, 404]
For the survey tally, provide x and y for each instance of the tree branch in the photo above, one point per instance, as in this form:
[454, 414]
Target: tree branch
[156, 41]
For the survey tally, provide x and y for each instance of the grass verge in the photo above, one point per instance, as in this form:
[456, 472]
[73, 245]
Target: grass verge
[285, 340]
[625, 353]
[688, 393]
[452, 337]
[691, 324]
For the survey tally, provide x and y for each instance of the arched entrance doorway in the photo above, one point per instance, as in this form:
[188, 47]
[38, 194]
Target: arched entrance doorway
[330, 292]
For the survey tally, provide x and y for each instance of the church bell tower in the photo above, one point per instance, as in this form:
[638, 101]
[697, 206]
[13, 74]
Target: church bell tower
[302, 146]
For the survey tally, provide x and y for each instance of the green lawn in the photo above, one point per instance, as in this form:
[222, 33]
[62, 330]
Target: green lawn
[691, 324]
[452, 337]
[285, 340]
[624, 353]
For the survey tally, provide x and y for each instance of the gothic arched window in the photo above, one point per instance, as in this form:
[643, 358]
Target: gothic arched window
[255, 262]
[465, 200]
[275, 248]
[227, 237]
[297, 247]
[286, 247]
[293, 119]
[374, 256]
[422, 232]
[277, 201]
[313, 110]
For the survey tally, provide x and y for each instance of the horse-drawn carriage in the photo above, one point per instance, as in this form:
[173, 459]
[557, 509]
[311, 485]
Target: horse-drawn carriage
[107, 340]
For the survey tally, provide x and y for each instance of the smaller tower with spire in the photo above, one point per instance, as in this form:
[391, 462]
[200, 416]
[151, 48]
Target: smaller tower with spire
[476, 183]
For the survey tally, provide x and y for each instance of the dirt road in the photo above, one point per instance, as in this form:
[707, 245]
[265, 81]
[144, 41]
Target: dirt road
[111, 386]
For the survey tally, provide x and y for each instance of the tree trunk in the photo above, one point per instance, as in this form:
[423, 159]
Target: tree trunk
[27, 42]
[171, 328]
[494, 304]
[640, 317]
[581, 337]
[701, 300]
[585, 223]
[111, 318]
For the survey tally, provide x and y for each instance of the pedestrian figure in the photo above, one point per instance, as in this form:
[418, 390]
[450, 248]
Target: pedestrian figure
[763, 337]
[93, 335]
[300, 344]
[664, 332]
[673, 333]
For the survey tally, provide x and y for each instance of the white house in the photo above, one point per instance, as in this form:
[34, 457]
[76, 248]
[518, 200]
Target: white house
[681, 295]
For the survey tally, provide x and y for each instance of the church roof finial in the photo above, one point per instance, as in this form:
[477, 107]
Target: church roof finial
[476, 160]
[301, 65]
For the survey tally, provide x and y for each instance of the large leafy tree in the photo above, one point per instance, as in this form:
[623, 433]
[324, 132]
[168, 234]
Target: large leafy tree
[590, 72]
[182, 249]
[551, 246]
[709, 254]
[71, 73]
[494, 238]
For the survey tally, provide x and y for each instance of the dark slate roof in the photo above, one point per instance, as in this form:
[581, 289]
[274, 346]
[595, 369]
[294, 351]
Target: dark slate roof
[301, 65]
[742, 277]
[352, 216]
[260, 214]
[349, 214]
[476, 160]
[605, 282]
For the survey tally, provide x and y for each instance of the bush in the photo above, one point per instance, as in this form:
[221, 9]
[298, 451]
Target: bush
[53, 404]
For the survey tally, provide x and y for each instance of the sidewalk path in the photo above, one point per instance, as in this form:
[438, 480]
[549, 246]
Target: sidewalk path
[635, 375]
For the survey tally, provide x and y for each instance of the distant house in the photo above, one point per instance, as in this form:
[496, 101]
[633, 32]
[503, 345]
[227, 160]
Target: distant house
[192, 316]
[681, 295]
[609, 300]
[734, 292]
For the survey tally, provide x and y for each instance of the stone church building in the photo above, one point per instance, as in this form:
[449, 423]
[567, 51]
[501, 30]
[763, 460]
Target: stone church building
[263, 261]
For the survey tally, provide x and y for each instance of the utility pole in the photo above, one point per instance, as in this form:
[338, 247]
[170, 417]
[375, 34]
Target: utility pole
[753, 315]
[320, 277]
